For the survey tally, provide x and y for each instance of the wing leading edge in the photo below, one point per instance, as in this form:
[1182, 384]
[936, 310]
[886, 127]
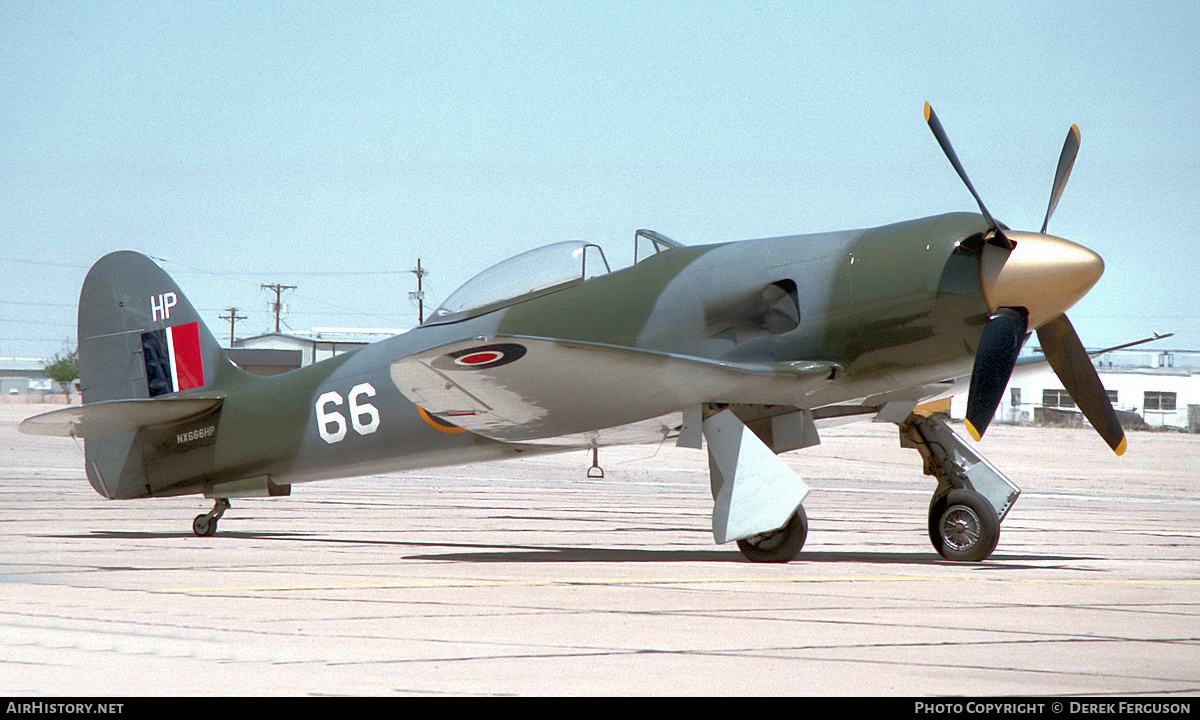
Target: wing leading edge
[525, 389]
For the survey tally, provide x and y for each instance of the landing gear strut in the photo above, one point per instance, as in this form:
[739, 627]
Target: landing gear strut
[972, 496]
[206, 525]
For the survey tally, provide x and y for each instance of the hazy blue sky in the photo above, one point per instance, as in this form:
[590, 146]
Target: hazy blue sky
[329, 145]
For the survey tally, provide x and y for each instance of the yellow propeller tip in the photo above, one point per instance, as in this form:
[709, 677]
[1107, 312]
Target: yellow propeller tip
[971, 429]
[1121, 446]
[928, 109]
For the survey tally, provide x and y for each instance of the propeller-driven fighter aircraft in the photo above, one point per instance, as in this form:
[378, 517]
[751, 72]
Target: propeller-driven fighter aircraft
[742, 348]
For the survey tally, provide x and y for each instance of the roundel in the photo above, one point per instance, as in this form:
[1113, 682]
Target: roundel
[485, 356]
[479, 358]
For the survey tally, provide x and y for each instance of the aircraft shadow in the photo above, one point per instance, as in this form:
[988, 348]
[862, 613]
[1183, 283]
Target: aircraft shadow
[485, 553]
[143, 535]
[632, 555]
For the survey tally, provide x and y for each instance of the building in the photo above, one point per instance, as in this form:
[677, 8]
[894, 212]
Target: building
[1160, 387]
[24, 377]
[280, 352]
[265, 361]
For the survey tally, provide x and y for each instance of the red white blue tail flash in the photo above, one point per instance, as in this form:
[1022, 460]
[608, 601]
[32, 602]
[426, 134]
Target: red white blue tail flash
[173, 359]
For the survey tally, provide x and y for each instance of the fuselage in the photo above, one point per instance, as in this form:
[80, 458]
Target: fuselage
[899, 308]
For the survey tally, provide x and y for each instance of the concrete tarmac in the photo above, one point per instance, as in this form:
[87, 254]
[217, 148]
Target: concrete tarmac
[527, 578]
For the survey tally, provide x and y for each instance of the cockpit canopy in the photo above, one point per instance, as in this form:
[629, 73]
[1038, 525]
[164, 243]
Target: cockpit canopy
[538, 271]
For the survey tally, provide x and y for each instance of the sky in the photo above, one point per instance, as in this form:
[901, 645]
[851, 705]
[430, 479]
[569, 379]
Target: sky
[331, 145]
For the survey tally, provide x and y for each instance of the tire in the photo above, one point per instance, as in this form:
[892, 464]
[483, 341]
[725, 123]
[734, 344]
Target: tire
[204, 527]
[777, 546]
[963, 526]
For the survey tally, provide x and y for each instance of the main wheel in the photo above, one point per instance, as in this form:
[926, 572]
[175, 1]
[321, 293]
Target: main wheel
[780, 545]
[963, 526]
[204, 527]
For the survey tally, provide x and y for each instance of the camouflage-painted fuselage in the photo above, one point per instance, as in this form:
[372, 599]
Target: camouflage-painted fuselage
[897, 309]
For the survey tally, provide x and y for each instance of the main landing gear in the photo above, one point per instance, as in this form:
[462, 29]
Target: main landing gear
[756, 497]
[206, 525]
[963, 526]
[972, 496]
[777, 546]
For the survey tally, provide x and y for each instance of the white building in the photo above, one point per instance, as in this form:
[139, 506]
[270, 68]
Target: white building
[26, 377]
[312, 345]
[1162, 387]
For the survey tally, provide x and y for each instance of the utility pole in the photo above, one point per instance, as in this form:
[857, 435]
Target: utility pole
[419, 295]
[232, 317]
[276, 305]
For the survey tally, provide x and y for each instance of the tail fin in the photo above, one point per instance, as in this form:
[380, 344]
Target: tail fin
[139, 337]
[141, 347]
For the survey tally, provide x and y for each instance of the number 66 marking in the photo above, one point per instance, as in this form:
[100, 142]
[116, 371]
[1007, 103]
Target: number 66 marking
[331, 424]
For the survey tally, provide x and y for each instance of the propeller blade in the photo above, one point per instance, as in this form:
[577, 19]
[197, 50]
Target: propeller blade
[1065, 161]
[994, 360]
[1074, 368]
[940, 134]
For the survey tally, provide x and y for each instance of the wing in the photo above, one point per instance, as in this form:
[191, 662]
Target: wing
[523, 389]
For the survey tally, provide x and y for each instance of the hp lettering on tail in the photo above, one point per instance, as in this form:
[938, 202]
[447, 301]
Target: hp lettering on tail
[160, 306]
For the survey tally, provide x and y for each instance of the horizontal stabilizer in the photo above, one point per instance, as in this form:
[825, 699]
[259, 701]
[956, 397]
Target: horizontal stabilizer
[520, 389]
[104, 419]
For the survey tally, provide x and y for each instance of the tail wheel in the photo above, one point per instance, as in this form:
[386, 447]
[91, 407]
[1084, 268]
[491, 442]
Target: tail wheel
[206, 525]
[203, 526]
[778, 546]
[963, 526]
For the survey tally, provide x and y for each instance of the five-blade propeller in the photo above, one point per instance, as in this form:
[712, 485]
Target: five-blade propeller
[1031, 289]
